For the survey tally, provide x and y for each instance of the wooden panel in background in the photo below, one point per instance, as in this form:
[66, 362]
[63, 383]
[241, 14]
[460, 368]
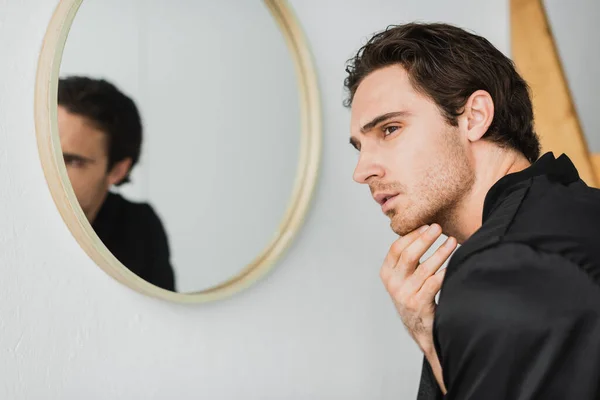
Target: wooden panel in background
[537, 60]
[596, 164]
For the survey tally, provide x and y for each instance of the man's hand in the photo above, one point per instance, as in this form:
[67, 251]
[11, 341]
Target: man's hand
[413, 286]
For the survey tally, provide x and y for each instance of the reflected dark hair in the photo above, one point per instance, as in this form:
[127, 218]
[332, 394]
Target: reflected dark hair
[109, 110]
[448, 64]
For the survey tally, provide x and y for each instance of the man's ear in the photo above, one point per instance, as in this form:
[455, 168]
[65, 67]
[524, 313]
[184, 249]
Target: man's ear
[478, 115]
[119, 171]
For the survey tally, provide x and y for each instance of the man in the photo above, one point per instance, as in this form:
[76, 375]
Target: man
[444, 126]
[101, 135]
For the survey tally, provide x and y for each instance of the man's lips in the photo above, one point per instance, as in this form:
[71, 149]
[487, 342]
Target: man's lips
[384, 197]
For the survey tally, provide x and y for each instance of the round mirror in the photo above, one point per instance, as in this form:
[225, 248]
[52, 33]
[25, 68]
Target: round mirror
[180, 140]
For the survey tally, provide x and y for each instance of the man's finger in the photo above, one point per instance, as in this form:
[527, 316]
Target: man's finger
[400, 244]
[431, 287]
[409, 259]
[432, 264]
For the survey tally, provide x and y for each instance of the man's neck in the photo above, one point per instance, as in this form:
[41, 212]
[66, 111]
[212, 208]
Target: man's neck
[92, 214]
[490, 164]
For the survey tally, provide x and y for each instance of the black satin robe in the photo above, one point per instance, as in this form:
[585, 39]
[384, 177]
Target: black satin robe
[135, 235]
[519, 310]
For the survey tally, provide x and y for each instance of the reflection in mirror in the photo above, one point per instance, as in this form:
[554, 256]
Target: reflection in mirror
[180, 127]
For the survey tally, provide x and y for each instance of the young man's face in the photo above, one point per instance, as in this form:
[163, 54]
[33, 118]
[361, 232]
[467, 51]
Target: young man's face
[85, 150]
[408, 151]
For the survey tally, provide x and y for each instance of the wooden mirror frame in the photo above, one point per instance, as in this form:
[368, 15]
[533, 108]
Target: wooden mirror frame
[535, 54]
[68, 206]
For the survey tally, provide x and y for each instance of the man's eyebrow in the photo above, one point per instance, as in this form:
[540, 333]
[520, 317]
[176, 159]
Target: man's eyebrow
[77, 157]
[381, 118]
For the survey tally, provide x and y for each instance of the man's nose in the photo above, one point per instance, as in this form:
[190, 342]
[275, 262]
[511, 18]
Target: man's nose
[366, 168]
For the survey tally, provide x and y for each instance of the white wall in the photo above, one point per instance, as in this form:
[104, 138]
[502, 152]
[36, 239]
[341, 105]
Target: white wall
[319, 327]
[574, 25]
[216, 86]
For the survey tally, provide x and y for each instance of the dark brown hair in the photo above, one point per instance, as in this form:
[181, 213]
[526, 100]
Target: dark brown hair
[110, 110]
[448, 64]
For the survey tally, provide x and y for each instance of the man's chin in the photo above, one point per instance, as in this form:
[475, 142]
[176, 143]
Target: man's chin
[402, 228]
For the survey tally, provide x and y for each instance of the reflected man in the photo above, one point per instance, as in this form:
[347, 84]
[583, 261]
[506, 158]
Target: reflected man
[101, 135]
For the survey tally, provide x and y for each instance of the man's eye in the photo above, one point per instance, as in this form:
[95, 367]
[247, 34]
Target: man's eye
[74, 163]
[388, 130]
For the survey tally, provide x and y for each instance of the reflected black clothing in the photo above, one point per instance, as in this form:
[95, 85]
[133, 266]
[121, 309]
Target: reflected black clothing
[519, 310]
[135, 236]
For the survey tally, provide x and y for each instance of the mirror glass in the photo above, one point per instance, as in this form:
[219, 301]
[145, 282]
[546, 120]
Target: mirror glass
[179, 123]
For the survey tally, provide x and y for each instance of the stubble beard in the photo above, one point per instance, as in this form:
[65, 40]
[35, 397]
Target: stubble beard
[437, 197]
